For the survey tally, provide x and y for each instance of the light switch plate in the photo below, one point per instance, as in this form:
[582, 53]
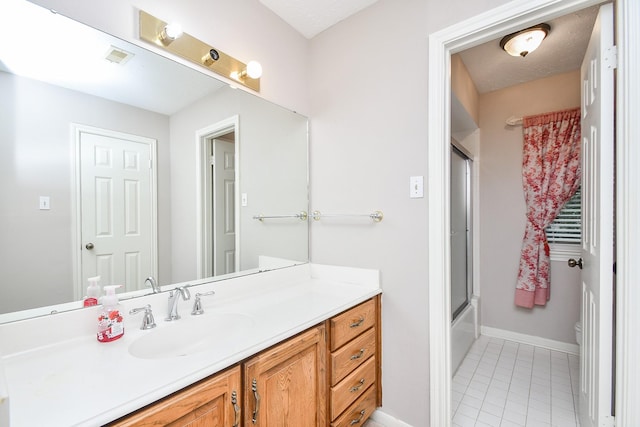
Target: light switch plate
[45, 203]
[243, 198]
[416, 187]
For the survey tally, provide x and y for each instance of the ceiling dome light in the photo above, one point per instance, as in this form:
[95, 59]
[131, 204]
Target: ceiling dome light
[526, 41]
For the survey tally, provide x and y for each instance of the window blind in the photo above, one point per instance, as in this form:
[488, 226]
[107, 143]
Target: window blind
[567, 227]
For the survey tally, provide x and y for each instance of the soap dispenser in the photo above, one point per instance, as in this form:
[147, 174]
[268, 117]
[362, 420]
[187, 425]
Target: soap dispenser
[93, 292]
[110, 320]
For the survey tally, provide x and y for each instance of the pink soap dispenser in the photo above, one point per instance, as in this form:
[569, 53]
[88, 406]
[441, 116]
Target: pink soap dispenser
[110, 320]
[93, 292]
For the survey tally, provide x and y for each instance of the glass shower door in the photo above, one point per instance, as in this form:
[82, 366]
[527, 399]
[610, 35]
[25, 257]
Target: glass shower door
[460, 231]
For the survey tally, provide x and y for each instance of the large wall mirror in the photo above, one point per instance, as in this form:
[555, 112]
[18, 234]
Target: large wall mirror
[119, 162]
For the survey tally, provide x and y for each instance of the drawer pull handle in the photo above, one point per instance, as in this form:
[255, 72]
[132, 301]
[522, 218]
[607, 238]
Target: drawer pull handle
[256, 397]
[358, 355]
[357, 420]
[357, 323]
[357, 387]
[236, 409]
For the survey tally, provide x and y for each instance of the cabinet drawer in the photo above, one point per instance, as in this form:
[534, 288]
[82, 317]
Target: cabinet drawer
[352, 323]
[352, 355]
[358, 413]
[352, 387]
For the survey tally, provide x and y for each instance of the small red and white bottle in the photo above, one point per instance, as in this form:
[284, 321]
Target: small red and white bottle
[110, 319]
[93, 292]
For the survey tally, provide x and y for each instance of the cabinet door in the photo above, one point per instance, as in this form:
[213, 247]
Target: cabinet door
[286, 385]
[213, 402]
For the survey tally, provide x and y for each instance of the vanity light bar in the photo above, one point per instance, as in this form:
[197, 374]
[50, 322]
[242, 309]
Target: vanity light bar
[153, 30]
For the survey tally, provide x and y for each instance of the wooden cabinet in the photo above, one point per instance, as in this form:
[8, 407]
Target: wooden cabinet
[328, 375]
[212, 402]
[286, 384]
[354, 364]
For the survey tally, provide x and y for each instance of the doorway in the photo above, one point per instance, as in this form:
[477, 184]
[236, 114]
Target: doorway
[218, 148]
[466, 34]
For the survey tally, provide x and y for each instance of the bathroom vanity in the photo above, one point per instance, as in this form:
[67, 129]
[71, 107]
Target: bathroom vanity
[300, 344]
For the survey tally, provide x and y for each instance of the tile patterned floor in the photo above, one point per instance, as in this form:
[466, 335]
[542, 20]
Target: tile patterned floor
[505, 384]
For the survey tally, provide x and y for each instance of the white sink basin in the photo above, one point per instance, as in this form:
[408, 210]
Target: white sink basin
[191, 335]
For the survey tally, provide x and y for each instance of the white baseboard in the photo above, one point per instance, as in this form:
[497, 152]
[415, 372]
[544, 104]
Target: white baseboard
[387, 420]
[531, 340]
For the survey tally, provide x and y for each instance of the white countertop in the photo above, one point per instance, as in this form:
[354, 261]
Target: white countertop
[58, 379]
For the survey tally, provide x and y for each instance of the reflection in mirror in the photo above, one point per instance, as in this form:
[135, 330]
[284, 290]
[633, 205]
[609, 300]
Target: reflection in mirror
[118, 162]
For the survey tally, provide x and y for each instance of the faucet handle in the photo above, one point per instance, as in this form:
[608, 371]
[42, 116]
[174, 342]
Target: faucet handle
[148, 322]
[197, 304]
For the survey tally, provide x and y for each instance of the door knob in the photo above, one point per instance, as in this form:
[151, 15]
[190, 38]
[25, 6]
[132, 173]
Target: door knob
[89, 246]
[572, 263]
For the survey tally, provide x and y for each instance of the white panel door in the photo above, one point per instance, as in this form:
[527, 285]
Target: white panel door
[597, 245]
[224, 223]
[116, 202]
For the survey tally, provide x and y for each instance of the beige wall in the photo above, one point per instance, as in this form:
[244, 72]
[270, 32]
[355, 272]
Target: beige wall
[502, 212]
[463, 88]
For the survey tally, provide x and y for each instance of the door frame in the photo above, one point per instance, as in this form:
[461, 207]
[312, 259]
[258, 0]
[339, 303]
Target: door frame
[76, 207]
[204, 226]
[471, 32]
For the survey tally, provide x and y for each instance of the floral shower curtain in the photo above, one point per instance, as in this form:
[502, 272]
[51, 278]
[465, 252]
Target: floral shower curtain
[550, 176]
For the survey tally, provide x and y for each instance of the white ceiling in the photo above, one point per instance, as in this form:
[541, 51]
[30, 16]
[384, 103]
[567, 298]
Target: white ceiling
[562, 51]
[311, 17]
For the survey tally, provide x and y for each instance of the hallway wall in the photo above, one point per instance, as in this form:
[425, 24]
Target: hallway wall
[369, 132]
[502, 212]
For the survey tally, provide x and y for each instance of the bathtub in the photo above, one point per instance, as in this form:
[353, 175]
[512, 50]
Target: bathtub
[464, 331]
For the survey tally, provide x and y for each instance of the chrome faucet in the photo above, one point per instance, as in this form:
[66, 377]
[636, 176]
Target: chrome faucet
[174, 297]
[147, 319]
[153, 283]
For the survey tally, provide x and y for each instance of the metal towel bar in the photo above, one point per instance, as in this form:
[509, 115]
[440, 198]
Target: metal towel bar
[376, 216]
[301, 216]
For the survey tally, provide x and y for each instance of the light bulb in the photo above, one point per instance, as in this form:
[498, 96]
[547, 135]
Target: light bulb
[254, 69]
[169, 33]
[173, 30]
